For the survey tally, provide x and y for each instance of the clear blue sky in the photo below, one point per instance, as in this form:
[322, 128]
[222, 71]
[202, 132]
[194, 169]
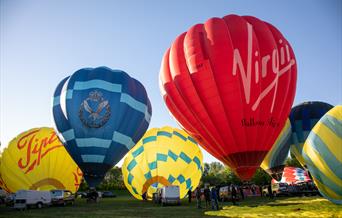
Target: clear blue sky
[44, 41]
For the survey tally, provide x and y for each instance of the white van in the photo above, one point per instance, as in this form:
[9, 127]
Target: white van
[28, 198]
[169, 195]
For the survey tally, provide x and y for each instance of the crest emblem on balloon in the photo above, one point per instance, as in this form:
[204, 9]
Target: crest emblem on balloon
[95, 110]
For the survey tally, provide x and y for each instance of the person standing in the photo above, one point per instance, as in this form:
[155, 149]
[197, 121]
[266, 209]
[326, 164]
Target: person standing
[189, 195]
[214, 201]
[241, 193]
[233, 194]
[270, 194]
[198, 198]
[207, 197]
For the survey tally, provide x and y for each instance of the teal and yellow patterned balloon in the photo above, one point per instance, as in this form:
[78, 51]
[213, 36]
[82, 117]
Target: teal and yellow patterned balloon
[164, 156]
[322, 153]
[274, 161]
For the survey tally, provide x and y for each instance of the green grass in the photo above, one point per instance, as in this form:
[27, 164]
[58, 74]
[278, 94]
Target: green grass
[126, 206]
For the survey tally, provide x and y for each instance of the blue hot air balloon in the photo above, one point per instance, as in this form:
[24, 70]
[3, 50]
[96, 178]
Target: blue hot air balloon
[303, 118]
[100, 114]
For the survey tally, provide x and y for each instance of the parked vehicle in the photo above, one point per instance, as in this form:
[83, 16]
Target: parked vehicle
[81, 194]
[108, 194]
[226, 195]
[280, 189]
[28, 198]
[62, 197]
[9, 200]
[169, 195]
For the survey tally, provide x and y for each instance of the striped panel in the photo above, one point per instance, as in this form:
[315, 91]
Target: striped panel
[188, 183]
[198, 162]
[161, 157]
[123, 139]
[185, 157]
[180, 135]
[96, 83]
[138, 151]
[171, 179]
[93, 142]
[131, 165]
[333, 124]
[137, 105]
[68, 135]
[149, 139]
[56, 101]
[148, 175]
[153, 165]
[181, 178]
[164, 133]
[130, 178]
[192, 140]
[92, 158]
[69, 93]
[172, 155]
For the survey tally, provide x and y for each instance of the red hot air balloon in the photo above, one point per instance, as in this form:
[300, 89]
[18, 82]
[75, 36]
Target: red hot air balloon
[230, 83]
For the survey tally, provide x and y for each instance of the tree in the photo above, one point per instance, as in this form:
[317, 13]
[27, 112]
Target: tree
[292, 162]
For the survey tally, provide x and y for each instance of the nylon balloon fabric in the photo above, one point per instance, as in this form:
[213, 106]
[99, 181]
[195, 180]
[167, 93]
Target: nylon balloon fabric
[322, 153]
[303, 118]
[100, 114]
[274, 161]
[37, 160]
[230, 83]
[164, 156]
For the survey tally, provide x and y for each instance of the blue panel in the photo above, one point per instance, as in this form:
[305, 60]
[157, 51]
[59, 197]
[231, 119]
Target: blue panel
[69, 135]
[185, 157]
[179, 135]
[181, 178]
[149, 139]
[130, 178]
[125, 98]
[96, 83]
[161, 157]
[152, 165]
[123, 139]
[192, 140]
[56, 100]
[68, 94]
[171, 179]
[164, 133]
[198, 162]
[93, 142]
[172, 155]
[92, 158]
[148, 175]
[138, 151]
[188, 183]
[131, 165]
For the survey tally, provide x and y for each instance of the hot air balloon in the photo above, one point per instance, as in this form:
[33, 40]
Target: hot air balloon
[274, 161]
[303, 118]
[37, 160]
[164, 156]
[100, 114]
[293, 175]
[322, 153]
[230, 83]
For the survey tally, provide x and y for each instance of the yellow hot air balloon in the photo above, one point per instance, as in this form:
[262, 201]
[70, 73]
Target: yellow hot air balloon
[322, 153]
[164, 156]
[37, 160]
[274, 161]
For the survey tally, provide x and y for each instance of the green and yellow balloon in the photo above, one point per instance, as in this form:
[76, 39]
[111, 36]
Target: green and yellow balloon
[322, 153]
[164, 156]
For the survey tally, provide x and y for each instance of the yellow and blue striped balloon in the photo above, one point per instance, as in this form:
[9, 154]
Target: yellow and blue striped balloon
[274, 161]
[322, 153]
[164, 156]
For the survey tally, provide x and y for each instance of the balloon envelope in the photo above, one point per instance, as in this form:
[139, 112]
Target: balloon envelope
[274, 161]
[294, 175]
[100, 114]
[164, 156]
[37, 160]
[322, 153]
[230, 83]
[303, 118]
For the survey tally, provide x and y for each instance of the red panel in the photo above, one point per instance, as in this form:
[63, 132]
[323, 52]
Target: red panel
[230, 83]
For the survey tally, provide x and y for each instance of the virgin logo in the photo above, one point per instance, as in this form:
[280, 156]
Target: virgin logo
[286, 61]
[36, 149]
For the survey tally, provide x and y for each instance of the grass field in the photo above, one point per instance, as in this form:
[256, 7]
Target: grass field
[126, 206]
